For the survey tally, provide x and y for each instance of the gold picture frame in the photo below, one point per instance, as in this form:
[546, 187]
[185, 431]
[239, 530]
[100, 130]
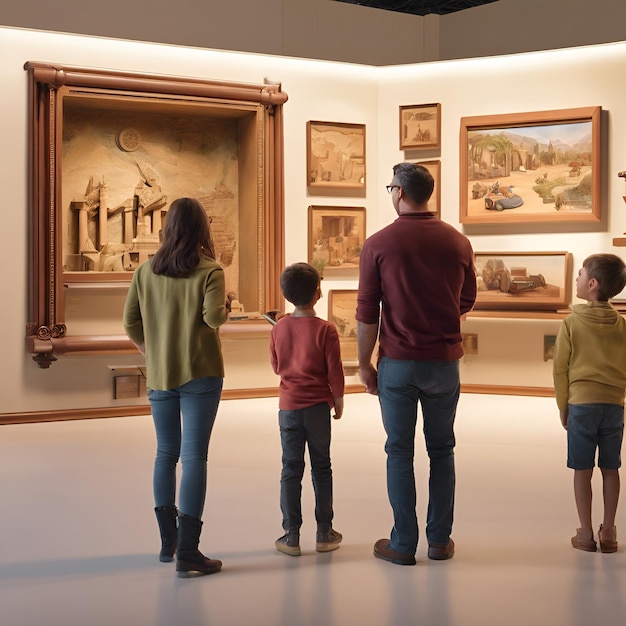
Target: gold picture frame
[335, 156]
[530, 168]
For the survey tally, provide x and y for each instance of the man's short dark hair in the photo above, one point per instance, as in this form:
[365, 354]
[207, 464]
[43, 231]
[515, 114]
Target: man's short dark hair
[416, 181]
[299, 283]
[610, 272]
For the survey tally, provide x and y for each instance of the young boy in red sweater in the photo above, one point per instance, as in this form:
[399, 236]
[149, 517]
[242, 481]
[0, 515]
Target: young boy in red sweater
[305, 353]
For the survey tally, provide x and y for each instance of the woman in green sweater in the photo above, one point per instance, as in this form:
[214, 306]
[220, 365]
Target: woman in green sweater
[175, 305]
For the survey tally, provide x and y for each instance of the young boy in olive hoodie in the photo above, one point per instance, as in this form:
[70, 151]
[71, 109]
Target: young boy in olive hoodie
[589, 383]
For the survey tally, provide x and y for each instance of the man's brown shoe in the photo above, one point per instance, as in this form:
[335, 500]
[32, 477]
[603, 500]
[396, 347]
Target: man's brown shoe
[441, 551]
[384, 552]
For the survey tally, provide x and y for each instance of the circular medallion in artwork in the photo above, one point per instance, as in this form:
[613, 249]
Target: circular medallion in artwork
[128, 139]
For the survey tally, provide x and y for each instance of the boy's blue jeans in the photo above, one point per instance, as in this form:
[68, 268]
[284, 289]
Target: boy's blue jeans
[196, 402]
[401, 386]
[309, 426]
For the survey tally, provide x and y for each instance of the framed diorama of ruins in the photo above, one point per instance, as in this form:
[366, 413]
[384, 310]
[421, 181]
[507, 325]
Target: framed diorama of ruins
[527, 168]
[342, 313]
[523, 281]
[420, 126]
[335, 156]
[336, 236]
[109, 151]
[434, 167]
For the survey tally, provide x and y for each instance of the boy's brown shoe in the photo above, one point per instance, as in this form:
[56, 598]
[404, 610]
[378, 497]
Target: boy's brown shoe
[289, 543]
[328, 540]
[441, 551]
[581, 543]
[384, 552]
[607, 545]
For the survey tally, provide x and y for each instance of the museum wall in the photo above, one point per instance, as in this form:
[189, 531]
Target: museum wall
[511, 351]
[313, 29]
[339, 93]
[324, 29]
[316, 90]
[511, 26]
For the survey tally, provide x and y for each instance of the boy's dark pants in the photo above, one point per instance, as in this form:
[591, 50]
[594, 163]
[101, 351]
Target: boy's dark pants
[310, 426]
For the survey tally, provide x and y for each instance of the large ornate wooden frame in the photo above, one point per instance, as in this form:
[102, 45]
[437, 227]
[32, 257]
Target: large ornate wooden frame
[46, 332]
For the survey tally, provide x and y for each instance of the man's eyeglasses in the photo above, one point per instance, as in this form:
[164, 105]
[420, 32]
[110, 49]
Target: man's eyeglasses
[390, 187]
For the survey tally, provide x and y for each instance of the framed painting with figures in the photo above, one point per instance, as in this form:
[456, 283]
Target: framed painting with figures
[529, 168]
[420, 126]
[336, 236]
[335, 155]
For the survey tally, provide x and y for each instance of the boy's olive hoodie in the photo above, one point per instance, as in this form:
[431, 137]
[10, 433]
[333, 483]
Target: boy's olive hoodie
[590, 356]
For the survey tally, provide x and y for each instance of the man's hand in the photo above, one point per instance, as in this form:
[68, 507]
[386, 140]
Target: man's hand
[369, 377]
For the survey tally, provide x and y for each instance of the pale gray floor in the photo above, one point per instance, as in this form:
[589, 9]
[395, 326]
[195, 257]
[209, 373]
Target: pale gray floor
[78, 540]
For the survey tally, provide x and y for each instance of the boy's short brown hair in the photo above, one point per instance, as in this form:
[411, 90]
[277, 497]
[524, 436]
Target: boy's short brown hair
[299, 283]
[610, 272]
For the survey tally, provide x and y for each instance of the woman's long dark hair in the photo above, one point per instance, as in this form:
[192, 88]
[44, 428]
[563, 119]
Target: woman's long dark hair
[186, 237]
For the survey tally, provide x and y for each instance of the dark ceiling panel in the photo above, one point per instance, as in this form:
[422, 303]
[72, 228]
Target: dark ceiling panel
[420, 7]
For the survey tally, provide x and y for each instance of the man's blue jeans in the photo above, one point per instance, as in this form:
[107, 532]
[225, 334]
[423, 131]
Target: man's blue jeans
[401, 386]
[311, 427]
[196, 401]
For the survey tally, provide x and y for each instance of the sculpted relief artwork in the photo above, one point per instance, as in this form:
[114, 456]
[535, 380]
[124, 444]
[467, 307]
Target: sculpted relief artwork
[121, 172]
[109, 152]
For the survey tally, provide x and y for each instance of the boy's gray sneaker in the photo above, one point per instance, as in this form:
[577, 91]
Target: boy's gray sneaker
[327, 540]
[289, 543]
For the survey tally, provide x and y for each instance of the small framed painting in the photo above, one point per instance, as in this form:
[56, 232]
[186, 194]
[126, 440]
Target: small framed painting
[420, 126]
[523, 281]
[335, 155]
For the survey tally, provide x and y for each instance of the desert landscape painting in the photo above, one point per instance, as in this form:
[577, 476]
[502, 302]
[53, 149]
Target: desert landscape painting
[535, 171]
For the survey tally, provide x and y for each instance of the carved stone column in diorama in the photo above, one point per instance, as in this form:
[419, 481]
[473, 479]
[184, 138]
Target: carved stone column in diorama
[103, 216]
[156, 221]
[129, 221]
[83, 220]
[145, 243]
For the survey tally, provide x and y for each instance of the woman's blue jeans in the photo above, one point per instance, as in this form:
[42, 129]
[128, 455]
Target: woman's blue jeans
[401, 386]
[196, 403]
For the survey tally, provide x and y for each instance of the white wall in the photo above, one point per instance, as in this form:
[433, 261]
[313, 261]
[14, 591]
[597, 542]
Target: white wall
[319, 91]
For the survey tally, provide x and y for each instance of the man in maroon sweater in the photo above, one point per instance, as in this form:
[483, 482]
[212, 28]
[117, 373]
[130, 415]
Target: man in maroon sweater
[416, 281]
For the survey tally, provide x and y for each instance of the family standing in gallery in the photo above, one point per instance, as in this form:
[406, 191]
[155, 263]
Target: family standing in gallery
[416, 281]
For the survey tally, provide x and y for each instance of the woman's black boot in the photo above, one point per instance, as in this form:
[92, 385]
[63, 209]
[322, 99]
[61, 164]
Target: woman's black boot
[188, 558]
[166, 517]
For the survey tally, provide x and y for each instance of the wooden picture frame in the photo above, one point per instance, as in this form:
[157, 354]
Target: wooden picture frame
[109, 151]
[335, 237]
[342, 313]
[434, 167]
[335, 156]
[549, 343]
[420, 127]
[528, 168]
[523, 281]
